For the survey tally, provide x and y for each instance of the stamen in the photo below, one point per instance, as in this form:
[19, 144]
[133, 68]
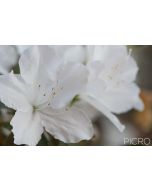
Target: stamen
[47, 102]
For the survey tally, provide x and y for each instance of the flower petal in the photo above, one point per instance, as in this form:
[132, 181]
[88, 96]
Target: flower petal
[8, 58]
[105, 111]
[117, 99]
[123, 98]
[69, 126]
[29, 64]
[71, 53]
[22, 48]
[39, 64]
[104, 52]
[72, 81]
[27, 128]
[11, 93]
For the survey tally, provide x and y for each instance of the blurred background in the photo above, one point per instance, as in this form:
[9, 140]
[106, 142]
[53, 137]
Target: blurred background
[138, 124]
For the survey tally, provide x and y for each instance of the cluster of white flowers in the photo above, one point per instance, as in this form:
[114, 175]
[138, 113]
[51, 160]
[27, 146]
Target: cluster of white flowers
[50, 79]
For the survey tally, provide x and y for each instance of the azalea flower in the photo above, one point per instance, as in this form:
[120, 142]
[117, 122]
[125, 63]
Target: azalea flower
[41, 96]
[111, 84]
[8, 58]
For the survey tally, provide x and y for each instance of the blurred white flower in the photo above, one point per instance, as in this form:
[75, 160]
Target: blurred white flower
[8, 58]
[41, 96]
[116, 71]
[112, 72]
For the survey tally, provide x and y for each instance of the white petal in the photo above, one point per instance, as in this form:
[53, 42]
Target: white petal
[88, 109]
[71, 53]
[72, 80]
[94, 53]
[11, 93]
[27, 128]
[102, 52]
[123, 99]
[39, 64]
[8, 58]
[118, 99]
[22, 48]
[105, 111]
[29, 64]
[130, 69]
[69, 126]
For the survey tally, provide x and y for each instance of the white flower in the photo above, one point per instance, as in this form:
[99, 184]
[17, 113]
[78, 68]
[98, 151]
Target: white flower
[116, 72]
[111, 87]
[8, 58]
[41, 96]
[112, 72]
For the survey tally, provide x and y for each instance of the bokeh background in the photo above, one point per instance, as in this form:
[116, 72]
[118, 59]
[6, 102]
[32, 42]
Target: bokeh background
[138, 124]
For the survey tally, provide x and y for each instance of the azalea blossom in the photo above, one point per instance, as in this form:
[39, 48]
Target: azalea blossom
[41, 96]
[111, 84]
[8, 58]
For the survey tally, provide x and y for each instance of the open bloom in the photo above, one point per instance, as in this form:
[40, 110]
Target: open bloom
[8, 58]
[112, 72]
[111, 87]
[41, 94]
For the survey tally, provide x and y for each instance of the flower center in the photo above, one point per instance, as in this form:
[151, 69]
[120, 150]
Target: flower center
[44, 97]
